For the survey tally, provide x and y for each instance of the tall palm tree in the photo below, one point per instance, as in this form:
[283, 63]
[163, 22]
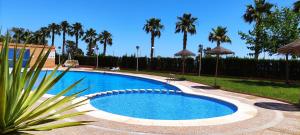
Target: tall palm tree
[77, 30]
[54, 29]
[37, 37]
[185, 25]
[44, 33]
[65, 28]
[105, 38]
[255, 13]
[17, 34]
[218, 35]
[27, 36]
[154, 27]
[297, 6]
[90, 38]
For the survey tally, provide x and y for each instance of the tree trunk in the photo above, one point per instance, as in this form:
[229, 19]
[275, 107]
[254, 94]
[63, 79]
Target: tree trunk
[257, 43]
[216, 72]
[217, 65]
[200, 63]
[183, 64]
[37, 40]
[76, 41]
[287, 72]
[44, 40]
[256, 52]
[152, 46]
[184, 40]
[104, 48]
[64, 41]
[90, 53]
[52, 38]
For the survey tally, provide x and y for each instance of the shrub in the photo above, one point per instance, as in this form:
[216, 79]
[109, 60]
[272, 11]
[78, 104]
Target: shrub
[19, 107]
[240, 67]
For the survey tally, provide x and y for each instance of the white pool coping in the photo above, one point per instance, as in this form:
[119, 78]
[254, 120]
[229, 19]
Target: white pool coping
[244, 111]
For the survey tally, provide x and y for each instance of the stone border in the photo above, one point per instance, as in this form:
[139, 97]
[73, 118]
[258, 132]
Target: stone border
[244, 111]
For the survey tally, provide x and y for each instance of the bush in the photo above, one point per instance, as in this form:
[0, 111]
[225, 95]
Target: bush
[241, 67]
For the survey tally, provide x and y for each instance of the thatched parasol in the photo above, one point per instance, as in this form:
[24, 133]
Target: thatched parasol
[218, 51]
[183, 54]
[291, 48]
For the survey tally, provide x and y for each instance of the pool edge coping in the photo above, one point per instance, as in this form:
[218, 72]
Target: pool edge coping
[244, 111]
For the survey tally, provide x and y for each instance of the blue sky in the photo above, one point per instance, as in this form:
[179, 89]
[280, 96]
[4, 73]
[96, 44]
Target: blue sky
[125, 20]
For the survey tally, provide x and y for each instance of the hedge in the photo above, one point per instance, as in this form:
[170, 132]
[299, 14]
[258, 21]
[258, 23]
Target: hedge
[241, 67]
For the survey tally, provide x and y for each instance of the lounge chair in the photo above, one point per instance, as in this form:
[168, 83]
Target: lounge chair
[115, 69]
[71, 63]
[171, 77]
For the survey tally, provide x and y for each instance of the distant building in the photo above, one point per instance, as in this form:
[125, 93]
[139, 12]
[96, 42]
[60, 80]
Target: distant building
[50, 63]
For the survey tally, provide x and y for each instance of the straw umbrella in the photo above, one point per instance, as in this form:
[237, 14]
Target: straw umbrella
[219, 35]
[291, 48]
[183, 54]
[218, 51]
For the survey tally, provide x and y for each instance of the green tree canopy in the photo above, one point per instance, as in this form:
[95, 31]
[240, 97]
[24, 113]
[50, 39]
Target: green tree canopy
[297, 7]
[283, 28]
[256, 13]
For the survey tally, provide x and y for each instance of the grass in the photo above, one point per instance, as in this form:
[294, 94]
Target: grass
[270, 89]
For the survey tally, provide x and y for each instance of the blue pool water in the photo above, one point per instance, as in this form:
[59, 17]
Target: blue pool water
[98, 82]
[147, 105]
[163, 106]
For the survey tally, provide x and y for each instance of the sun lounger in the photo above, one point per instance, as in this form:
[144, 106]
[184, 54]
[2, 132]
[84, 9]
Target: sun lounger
[115, 69]
[71, 63]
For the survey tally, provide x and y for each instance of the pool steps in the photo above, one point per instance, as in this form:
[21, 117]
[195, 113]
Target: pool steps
[115, 92]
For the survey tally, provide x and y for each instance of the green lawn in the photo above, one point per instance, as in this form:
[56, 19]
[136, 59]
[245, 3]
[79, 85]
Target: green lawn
[275, 90]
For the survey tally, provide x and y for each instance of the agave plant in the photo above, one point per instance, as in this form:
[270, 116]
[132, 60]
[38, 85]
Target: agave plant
[21, 106]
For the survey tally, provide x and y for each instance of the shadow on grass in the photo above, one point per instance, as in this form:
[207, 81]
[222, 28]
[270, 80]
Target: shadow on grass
[266, 83]
[277, 106]
[203, 87]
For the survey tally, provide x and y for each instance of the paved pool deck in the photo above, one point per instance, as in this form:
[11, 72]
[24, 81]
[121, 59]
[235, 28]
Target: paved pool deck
[272, 118]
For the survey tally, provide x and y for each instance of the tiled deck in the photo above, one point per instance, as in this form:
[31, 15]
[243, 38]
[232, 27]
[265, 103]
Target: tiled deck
[273, 118]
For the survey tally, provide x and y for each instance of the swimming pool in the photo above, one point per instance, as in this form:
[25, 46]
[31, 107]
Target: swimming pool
[163, 106]
[98, 82]
[143, 98]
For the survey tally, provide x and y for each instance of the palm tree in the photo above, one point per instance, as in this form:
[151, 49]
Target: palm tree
[256, 13]
[105, 38]
[54, 29]
[218, 35]
[77, 30]
[17, 34]
[44, 33]
[65, 28]
[186, 24]
[27, 36]
[90, 38]
[153, 26]
[297, 6]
